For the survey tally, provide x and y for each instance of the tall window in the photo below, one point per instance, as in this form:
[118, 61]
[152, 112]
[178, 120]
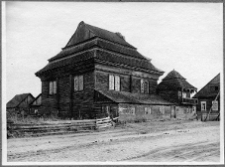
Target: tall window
[117, 83]
[203, 105]
[142, 86]
[111, 82]
[114, 82]
[146, 87]
[52, 87]
[78, 83]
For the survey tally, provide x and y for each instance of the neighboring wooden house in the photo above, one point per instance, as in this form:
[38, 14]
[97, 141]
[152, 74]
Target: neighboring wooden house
[35, 105]
[209, 98]
[176, 89]
[20, 102]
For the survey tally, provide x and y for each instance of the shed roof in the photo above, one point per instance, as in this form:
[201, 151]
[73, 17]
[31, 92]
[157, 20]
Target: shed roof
[206, 92]
[127, 97]
[17, 99]
[174, 80]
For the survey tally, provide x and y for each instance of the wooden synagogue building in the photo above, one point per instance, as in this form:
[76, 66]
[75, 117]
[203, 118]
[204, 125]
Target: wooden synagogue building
[98, 73]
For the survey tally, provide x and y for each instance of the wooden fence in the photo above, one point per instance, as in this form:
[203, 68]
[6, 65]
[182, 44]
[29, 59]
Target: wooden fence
[209, 116]
[59, 127]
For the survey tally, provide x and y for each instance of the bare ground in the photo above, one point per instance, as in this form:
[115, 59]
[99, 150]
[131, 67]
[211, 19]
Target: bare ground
[167, 141]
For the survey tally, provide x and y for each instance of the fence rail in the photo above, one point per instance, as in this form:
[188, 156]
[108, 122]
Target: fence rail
[59, 126]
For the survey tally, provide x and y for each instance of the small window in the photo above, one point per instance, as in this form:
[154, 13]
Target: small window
[216, 88]
[184, 95]
[215, 105]
[162, 109]
[148, 110]
[78, 83]
[194, 109]
[188, 95]
[52, 87]
[203, 105]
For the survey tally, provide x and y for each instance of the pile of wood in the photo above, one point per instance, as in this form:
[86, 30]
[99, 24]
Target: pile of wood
[60, 127]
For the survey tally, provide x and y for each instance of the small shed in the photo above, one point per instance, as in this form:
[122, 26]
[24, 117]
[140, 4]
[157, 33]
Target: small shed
[20, 103]
[129, 106]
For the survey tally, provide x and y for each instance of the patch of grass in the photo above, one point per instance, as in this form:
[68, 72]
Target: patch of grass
[139, 120]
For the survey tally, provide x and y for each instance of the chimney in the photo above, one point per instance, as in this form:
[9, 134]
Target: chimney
[120, 35]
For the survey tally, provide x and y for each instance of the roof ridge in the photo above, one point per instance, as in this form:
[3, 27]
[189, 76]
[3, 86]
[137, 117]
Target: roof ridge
[25, 98]
[175, 75]
[88, 26]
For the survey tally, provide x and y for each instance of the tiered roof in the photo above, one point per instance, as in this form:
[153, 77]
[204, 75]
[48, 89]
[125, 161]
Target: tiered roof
[92, 43]
[174, 81]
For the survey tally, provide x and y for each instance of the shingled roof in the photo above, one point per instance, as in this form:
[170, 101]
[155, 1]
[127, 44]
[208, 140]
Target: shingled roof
[174, 80]
[89, 42]
[17, 99]
[97, 32]
[127, 97]
[205, 92]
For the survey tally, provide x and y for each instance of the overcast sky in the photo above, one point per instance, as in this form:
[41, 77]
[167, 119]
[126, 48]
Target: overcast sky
[186, 37]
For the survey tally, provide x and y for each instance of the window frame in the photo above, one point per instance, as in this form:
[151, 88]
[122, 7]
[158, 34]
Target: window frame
[146, 86]
[117, 82]
[114, 82]
[205, 108]
[111, 82]
[77, 80]
[142, 86]
[184, 95]
[217, 105]
[52, 87]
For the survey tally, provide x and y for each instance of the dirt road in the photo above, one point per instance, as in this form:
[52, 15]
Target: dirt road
[168, 141]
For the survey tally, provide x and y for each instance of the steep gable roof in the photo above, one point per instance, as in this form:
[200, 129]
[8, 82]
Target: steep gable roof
[17, 99]
[174, 80]
[205, 91]
[85, 31]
